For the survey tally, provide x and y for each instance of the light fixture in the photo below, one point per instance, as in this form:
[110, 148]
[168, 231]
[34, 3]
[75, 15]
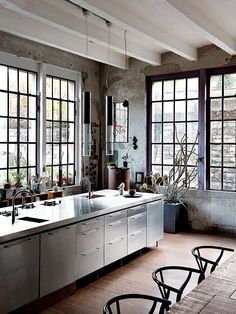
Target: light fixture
[87, 140]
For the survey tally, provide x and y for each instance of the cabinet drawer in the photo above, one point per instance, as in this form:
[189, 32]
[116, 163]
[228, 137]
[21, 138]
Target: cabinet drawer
[115, 249]
[89, 261]
[136, 241]
[90, 238]
[115, 229]
[137, 222]
[115, 216]
[136, 210]
[90, 224]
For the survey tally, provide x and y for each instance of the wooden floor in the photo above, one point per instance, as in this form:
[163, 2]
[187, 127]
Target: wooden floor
[135, 275]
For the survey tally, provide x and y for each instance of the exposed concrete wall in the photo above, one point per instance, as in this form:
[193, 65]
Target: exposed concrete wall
[210, 210]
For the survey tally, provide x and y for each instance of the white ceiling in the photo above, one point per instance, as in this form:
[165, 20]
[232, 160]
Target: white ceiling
[152, 27]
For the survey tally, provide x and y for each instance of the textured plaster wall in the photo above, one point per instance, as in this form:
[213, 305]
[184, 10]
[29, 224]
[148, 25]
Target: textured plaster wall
[210, 210]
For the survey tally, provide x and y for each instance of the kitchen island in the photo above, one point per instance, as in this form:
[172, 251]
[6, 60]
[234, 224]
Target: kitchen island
[50, 247]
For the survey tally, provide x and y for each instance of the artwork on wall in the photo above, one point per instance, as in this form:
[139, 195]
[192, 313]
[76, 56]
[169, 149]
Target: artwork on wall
[139, 176]
[121, 123]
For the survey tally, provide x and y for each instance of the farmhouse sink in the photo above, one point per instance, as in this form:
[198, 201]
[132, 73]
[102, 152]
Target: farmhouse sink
[32, 219]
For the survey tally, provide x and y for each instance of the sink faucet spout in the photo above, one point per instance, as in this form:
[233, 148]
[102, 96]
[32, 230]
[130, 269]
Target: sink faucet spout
[14, 211]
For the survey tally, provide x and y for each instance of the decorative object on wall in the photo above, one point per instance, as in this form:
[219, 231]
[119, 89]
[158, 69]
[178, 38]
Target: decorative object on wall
[139, 176]
[121, 123]
[87, 124]
[109, 126]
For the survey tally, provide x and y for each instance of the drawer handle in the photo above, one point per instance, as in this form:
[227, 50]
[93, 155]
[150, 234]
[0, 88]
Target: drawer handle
[115, 214]
[116, 241]
[90, 222]
[118, 222]
[137, 208]
[86, 253]
[138, 216]
[18, 242]
[90, 231]
[134, 234]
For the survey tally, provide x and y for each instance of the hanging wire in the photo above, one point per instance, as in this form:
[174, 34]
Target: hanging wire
[108, 24]
[125, 38]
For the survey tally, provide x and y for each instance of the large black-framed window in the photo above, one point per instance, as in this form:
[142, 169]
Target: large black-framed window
[221, 129]
[60, 130]
[172, 111]
[18, 120]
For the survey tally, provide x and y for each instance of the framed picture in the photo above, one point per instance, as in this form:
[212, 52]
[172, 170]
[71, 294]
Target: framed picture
[121, 123]
[139, 177]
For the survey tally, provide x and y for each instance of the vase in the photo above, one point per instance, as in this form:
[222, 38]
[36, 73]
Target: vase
[125, 164]
[175, 217]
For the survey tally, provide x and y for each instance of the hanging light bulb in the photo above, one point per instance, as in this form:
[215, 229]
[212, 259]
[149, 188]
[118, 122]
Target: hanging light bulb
[109, 126]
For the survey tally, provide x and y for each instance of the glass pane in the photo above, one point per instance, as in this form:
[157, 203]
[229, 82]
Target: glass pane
[168, 154]
[64, 175]
[192, 109]
[32, 131]
[71, 128]
[168, 90]
[215, 177]
[56, 110]
[166, 170]
[64, 130]
[3, 156]
[56, 88]
[12, 130]
[229, 179]
[32, 83]
[32, 154]
[12, 176]
[157, 91]
[23, 155]
[120, 123]
[192, 131]
[230, 84]
[56, 132]
[156, 112]
[3, 104]
[230, 108]
[216, 109]
[64, 111]
[180, 89]
[23, 130]
[216, 132]
[3, 77]
[31, 172]
[48, 154]
[12, 155]
[71, 151]
[71, 172]
[56, 154]
[64, 89]
[12, 105]
[49, 109]
[55, 177]
[229, 132]
[3, 129]
[216, 155]
[180, 130]
[193, 160]
[156, 133]
[32, 107]
[192, 85]
[156, 154]
[49, 87]
[229, 155]
[168, 108]
[3, 177]
[48, 131]
[64, 154]
[216, 86]
[71, 90]
[71, 110]
[13, 82]
[180, 110]
[156, 169]
[23, 106]
[23, 82]
[168, 133]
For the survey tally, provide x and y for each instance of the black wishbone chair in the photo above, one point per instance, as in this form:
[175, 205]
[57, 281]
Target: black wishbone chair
[159, 276]
[203, 262]
[113, 305]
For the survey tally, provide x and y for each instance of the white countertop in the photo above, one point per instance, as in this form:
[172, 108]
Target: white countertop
[72, 209]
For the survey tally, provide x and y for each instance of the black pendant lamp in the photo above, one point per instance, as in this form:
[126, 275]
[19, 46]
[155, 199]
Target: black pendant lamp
[109, 126]
[87, 124]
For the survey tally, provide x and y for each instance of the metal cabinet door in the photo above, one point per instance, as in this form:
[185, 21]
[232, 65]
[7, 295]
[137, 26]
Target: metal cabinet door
[155, 229]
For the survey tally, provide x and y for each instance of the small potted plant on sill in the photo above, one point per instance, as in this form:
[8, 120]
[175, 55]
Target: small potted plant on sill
[127, 157]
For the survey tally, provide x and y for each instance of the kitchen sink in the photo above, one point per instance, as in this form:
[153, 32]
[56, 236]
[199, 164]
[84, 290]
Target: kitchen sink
[93, 196]
[32, 219]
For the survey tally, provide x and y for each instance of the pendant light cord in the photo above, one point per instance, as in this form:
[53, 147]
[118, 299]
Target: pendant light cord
[108, 24]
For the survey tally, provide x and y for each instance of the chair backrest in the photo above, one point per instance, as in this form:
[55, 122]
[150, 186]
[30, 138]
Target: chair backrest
[200, 253]
[114, 305]
[161, 277]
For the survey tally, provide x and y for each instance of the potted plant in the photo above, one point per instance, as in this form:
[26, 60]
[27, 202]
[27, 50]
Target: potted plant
[176, 185]
[127, 155]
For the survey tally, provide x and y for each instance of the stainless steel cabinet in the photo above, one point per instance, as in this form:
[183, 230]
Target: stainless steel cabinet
[19, 273]
[137, 221]
[57, 259]
[115, 236]
[154, 222]
[89, 246]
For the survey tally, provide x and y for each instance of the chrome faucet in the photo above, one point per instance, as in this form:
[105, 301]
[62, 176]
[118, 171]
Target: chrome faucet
[15, 210]
[89, 185]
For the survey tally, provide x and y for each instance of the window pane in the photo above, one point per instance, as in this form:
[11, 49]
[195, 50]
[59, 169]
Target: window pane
[23, 130]
[3, 177]
[56, 110]
[64, 175]
[23, 106]
[216, 132]
[156, 112]
[3, 155]
[32, 107]
[32, 130]
[56, 88]
[32, 154]
[12, 155]
[49, 87]
[23, 155]
[215, 177]
[32, 83]
[63, 89]
[56, 132]
[230, 84]
[180, 89]
[71, 174]
[64, 130]
[168, 133]
[3, 104]
[12, 176]
[166, 170]
[71, 113]
[157, 91]
[71, 152]
[49, 154]
[3, 77]
[55, 175]
[216, 86]
[49, 109]
[3, 129]
[49, 131]
[23, 82]
[64, 154]
[192, 131]
[71, 90]
[229, 155]
[156, 154]
[168, 108]
[12, 130]
[216, 155]
[156, 133]
[71, 127]
[13, 82]
[13, 105]
[56, 154]
[168, 90]
[216, 109]
[193, 160]
[156, 169]
[64, 111]
[229, 179]
[230, 108]
[180, 130]
[192, 85]
[180, 110]
[192, 109]
[229, 132]
[168, 154]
